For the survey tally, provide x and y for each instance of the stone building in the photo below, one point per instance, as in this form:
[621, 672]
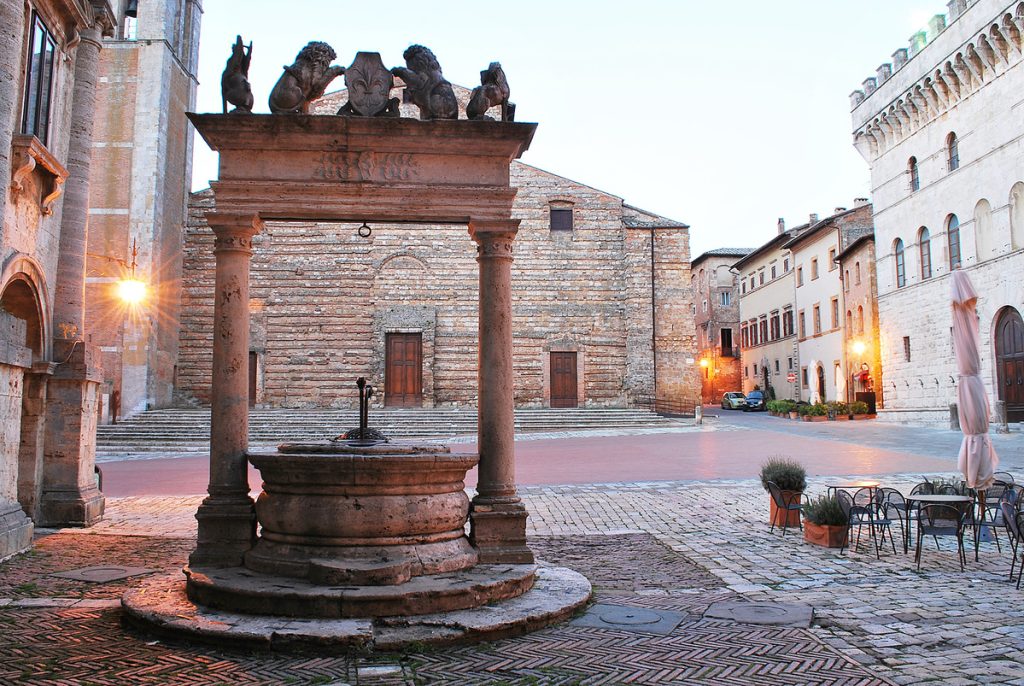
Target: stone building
[142, 164]
[716, 308]
[942, 132]
[819, 305]
[50, 53]
[603, 313]
[770, 357]
[862, 356]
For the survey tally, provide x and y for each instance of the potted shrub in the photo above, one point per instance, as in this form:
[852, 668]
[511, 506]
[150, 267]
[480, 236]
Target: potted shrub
[859, 410]
[824, 522]
[791, 477]
[838, 411]
[771, 407]
[814, 413]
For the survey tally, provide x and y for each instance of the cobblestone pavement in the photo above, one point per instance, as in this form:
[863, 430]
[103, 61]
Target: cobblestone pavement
[664, 545]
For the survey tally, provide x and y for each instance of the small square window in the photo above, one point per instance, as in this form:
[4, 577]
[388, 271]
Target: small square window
[561, 219]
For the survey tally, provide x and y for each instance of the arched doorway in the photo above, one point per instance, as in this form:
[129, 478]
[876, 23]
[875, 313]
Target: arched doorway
[821, 383]
[1010, 362]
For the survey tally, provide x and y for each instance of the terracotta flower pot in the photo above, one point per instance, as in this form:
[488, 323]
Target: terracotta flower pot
[842, 417]
[793, 515]
[861, 416]
[809, 418]
[824, 535]
[794, 415]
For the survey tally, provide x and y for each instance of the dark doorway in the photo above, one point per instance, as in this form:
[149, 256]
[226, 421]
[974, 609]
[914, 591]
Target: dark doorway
[1010, 362]
[563, 380]
[403, 375]
[253, 361]
[821, 383]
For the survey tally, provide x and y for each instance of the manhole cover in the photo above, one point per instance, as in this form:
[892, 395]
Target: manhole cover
[767, 614]
[103, 573]
[625, 618]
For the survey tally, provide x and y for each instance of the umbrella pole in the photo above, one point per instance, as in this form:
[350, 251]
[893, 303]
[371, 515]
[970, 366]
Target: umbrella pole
[978, 522]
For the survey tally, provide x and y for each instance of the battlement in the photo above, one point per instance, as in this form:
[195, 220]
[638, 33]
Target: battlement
[955, 55]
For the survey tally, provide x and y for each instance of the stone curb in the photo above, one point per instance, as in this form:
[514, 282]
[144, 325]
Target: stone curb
[159, 606]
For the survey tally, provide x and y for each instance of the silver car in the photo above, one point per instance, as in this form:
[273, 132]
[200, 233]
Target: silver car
[733, 401]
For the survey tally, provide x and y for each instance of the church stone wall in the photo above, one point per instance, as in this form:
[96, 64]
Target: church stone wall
[323, 299]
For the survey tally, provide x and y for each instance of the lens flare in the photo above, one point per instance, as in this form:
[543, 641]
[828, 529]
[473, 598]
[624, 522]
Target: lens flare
[131, 291]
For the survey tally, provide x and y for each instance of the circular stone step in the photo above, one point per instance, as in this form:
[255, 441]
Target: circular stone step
[160, 606]
[239, 589]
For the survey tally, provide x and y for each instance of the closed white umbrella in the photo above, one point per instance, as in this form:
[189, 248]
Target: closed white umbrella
[812, 371]
[978, 459]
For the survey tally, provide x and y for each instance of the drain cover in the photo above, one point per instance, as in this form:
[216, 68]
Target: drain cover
[102, 574]
[766, 614]
[625, 618]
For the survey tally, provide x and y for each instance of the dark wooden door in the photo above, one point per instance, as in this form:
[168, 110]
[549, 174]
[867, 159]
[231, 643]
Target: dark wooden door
[563, 380]
[403, 376]
[1010, 363]
[253, 361]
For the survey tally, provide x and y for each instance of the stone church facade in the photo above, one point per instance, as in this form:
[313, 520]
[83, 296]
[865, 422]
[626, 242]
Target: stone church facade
[602, 306]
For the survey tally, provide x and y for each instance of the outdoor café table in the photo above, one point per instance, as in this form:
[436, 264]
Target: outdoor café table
[929, 499]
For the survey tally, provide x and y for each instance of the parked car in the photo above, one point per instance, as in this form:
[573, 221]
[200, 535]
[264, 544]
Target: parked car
[754, 401]
[733, 401]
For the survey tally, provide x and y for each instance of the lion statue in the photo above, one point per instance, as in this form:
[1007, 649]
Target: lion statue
[493, 90]
[306, 80]
[425, 86]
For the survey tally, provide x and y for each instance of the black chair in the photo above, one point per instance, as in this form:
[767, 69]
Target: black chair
[1005, 477]
[860, 511]
[941, 520]
[783, 506]
[1008, 512]
[890, 504]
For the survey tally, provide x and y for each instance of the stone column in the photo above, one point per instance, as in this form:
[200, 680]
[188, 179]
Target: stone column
[497, 515]
[70, 495]
[227, 518]
[33, 425]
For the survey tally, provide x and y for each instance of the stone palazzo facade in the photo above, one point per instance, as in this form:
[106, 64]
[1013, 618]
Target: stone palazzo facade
[716, 313]
[601, 305]
[49, 376]
[941, 128]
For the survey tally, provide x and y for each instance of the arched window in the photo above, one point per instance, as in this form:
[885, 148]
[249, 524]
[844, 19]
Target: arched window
[849, 322]
[984, 234]
[901, 264]
[846, 280]
[1017, 215]
[860, 319]
[953, 236]
[952, 152]
[924, 240]
[856, 273]
[915, 176]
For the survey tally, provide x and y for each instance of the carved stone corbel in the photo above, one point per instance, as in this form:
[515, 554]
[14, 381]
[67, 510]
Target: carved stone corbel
[30, 154]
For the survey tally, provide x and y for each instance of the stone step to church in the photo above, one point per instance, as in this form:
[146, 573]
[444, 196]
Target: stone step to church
[166, 429]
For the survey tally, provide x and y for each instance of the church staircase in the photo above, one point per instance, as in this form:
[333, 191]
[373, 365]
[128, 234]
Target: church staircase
[189, 429]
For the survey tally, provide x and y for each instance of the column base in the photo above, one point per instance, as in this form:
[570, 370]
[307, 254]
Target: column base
[498, 532]
[15, 530]
[227, 531]
[71, 507]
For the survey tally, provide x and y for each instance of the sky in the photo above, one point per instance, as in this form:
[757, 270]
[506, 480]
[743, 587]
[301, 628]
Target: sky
[723, 115]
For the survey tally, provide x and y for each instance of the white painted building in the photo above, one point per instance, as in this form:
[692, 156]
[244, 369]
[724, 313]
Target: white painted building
[942, 127]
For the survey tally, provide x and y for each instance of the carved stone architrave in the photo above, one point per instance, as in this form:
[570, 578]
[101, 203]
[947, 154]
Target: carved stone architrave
[29, 153]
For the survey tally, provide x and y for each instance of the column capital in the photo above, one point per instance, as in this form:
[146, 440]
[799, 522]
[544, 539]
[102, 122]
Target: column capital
[234, 232]
[494, 238]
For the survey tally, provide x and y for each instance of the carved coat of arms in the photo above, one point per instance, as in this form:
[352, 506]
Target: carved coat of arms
[369, 85]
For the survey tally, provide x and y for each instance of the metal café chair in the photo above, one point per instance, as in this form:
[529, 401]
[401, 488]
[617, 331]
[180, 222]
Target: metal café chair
[783, 506]
[941, 520]
[889, 502]
[1009, 511]
[860, 511]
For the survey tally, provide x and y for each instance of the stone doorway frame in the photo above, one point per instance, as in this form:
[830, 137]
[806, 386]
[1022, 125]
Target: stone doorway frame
[342, 169]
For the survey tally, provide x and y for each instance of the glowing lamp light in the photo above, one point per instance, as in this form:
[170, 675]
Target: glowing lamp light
[131, 291]
[859, 347]
[704, 363]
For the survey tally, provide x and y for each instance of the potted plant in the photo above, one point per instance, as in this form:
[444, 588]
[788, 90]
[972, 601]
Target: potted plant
[794, 409]
[814, 413]
[791, 477]
[859, 410]
[825, 524]
[838, 411]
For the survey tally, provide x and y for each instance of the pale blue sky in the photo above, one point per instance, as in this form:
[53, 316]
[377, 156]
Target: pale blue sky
[725, 115]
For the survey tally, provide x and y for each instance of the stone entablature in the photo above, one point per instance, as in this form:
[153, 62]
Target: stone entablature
[982, 43]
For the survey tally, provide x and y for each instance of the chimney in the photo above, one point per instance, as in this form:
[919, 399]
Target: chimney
[883, 72]
[899, 58]
[860, 202]
[936, 25]
[839, 210]
[782, 225]
[814, 218]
